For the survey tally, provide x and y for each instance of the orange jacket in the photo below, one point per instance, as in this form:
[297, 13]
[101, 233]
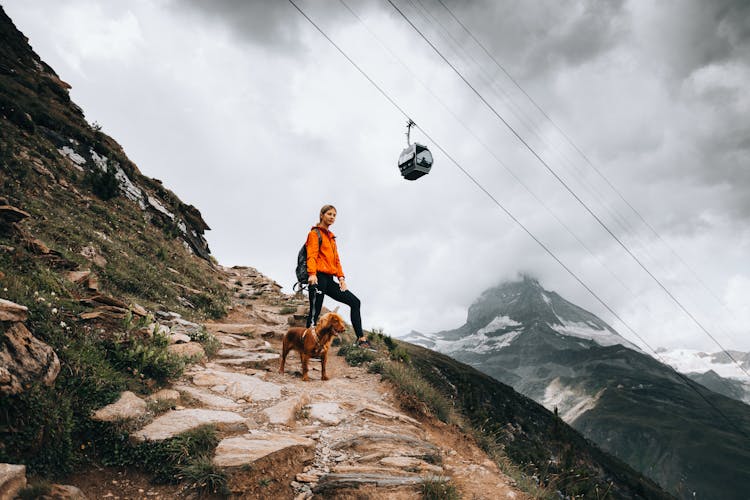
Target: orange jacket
[323, 257]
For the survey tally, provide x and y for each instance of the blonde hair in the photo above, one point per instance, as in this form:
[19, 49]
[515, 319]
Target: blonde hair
[325, 209]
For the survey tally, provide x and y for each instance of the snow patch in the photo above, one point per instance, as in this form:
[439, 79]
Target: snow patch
[77, 159]
[476, 342]
[590, 331]
[692, 361]
[498, 323]
[571, 402]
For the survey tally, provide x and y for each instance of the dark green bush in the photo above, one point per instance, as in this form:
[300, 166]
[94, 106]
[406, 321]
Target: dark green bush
[103, 183]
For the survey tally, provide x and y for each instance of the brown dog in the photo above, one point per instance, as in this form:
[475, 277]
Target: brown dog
[312, 343]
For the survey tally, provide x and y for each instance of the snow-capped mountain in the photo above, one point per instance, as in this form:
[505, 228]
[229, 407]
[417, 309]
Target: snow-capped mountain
[679, 433]
[723, 372]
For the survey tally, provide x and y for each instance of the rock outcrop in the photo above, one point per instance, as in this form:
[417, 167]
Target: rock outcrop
[25, 360]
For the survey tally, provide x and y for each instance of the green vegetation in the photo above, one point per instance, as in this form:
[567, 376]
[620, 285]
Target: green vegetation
[438, 488]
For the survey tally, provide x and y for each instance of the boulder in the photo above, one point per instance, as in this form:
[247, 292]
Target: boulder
[176, 422]
[244, 450]
[179, 338]
[128, 406]
[25, 360]
[10, 311]
[64, 492]
[12, 480]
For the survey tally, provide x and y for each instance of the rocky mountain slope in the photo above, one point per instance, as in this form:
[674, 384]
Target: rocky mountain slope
[119, 334]
[627, 402]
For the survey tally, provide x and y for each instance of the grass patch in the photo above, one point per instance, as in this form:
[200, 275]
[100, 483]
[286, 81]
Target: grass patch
[416, 393]
[34, 490]
[288, 310]
[203, 477]
[355, 356]
[439, 488]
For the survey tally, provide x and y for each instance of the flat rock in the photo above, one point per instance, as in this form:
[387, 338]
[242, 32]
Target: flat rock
[332, 482]
[388, 414]
[192, 350]
[243, 450]
[392, 444]
[209, 399]
[12, 480]
[327, 413]
[285, 413]
[252, 388]
[246, 346]
[128, 406]
[249, 359]
[176, 422]
[78, 276]
[25, 361]
[10, 311]
[208, 379]
[231, 328]
[401, 462]
[165, 395]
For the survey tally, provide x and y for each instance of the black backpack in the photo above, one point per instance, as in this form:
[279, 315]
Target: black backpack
[301, 270]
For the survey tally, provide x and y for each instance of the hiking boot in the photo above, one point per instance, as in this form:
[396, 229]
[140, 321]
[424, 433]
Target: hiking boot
[364, 344]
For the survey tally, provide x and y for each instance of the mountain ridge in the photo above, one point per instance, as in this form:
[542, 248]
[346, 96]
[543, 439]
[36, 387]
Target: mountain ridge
[615, 395]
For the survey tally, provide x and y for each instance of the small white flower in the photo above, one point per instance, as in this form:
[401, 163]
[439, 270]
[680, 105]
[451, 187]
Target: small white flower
[53, 294]
[54, 310]
[63, 324]
[36, 293]
[5, 289]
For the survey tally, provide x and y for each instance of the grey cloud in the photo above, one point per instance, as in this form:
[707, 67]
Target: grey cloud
[275, 24]
[535, 39]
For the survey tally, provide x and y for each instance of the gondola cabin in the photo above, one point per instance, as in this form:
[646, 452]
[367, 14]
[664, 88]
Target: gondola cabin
[415, 161]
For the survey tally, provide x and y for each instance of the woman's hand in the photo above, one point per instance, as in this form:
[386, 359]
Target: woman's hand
[312, 279]
[342, 284]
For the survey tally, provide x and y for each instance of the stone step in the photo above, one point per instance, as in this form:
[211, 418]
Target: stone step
[238, 385]
[237, 451]
[235, 328]
[209, 399]
[342, 485]
[176, 422]
[250, 359]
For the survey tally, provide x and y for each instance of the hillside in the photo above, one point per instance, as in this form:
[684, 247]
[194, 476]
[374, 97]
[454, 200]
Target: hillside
[121, 336]
[625, 401]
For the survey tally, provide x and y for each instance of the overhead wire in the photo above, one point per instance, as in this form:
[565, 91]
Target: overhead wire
[525, 186]
[503, 208]
[622, 221]
[586, 159]
[568, 188]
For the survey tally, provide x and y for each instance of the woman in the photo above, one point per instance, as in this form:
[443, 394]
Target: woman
[323, 264]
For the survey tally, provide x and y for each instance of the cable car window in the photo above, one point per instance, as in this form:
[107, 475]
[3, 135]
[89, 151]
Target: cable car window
[424, 158]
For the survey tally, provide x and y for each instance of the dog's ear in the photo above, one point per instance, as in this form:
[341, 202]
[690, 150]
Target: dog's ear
[324, 321]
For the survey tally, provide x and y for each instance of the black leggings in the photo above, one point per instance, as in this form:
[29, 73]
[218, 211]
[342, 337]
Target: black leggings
[327, 286]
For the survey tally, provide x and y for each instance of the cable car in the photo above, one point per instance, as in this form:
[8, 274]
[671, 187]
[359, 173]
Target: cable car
[416, 160]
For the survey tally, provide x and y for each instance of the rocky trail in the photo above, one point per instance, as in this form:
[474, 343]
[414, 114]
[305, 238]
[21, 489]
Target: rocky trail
[281, 437]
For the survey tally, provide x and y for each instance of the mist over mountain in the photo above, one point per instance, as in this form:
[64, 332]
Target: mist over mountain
[681, 434]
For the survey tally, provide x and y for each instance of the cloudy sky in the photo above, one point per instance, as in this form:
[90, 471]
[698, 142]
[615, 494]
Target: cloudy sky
[246, 111]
